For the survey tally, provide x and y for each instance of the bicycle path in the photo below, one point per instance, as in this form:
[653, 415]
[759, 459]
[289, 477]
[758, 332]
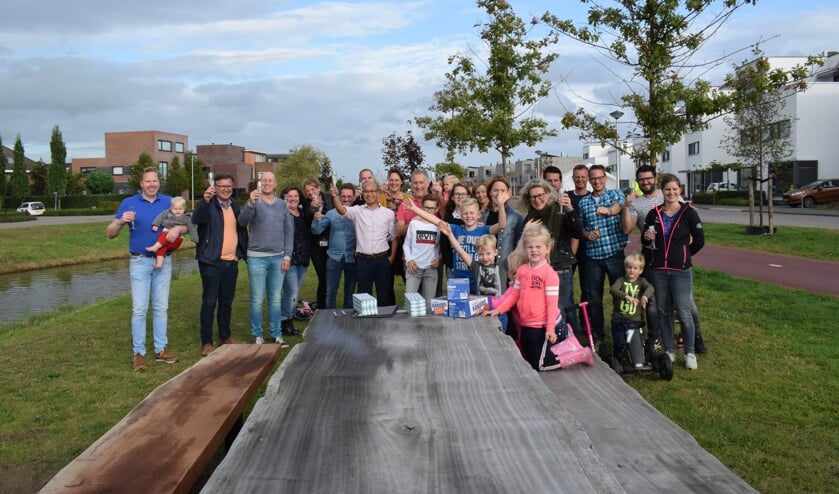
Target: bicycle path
[796, 272]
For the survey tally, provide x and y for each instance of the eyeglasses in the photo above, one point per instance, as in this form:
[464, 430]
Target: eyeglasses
[645, 179]
[596, 179]
[430, 208]
[460, 194]
[538, 196]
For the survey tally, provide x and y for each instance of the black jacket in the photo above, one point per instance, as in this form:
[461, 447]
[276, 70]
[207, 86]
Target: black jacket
[563, 226]
[210, 222]
[685, 240]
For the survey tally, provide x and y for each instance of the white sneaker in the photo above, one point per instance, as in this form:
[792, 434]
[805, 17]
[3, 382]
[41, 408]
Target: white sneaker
[690, 362]
[258, 340]
[279, 341]
[672, 356]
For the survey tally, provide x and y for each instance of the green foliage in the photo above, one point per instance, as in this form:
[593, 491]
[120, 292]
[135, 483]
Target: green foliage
[443, 169]
[4, 163]
[57, 174]
[178, 180]
[195, 173]
[99, 183]
[656, 41]
[75, 184]
[18, 182]
[38, 176]
[143, 162]
[486, 109]
[303, 162]
[402, 153]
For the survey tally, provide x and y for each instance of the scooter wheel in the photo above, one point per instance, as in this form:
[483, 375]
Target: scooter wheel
[616, 366]
[665, 367]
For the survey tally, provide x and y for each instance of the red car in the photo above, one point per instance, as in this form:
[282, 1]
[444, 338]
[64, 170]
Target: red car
[818, 192]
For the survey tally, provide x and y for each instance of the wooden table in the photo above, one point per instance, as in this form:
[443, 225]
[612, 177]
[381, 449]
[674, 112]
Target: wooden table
[401, 405]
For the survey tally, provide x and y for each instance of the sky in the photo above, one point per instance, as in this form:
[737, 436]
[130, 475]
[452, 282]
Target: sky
[274, 75]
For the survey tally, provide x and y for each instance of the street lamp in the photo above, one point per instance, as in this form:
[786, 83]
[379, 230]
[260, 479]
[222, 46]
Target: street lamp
[192, 178]
[617, 114]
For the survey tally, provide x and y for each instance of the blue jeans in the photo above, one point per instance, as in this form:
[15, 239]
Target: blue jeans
[595, 273]
[566, 299]
[674, 288]
[147, 282]
[291, 289]
[334, 269]
[218, 280]
[265, 274]
[376, 272]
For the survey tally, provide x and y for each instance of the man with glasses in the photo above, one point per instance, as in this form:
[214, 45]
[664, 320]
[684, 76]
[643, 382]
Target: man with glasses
[600, 218]
[375, 237]
[635, 210]
[223, 243]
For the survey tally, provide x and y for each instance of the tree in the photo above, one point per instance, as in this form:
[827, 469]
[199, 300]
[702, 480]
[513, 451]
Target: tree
[303, 162]
[326, 174]
[38, 176]
[657, 40]
[450, 168]
[483, 110]
[143, 162]
[758, 130]
[99, 183]
[194, 170]
[178, 180]
[18, 181]
[3, 164]
[57, 173]
[402, 153]
[75, 184]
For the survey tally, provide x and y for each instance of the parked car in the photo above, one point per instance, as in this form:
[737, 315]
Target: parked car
[32, 208]
[715, 186]
[818, 192]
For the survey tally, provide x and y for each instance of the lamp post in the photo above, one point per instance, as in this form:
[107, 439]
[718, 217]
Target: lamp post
[192, 179]
[617, 114]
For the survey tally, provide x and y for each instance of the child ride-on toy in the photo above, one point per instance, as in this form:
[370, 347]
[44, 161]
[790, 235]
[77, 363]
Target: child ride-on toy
[634, 359]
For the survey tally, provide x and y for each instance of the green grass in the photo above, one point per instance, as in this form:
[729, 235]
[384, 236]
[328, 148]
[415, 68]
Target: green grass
[763, 400]
[815, 243]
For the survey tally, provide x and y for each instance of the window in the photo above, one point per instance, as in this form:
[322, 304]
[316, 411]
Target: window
[87, 170]
[693, 148]
[164, 145]
[117, 170]
[164, 170]
[179, 147]
[665, 156]
[780, 130]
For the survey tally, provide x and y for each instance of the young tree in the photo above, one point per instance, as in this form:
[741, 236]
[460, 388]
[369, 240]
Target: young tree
[303, 162]
[3, 165]
[99, 183]
[402, 153]
[38, 176]
[326, 174]
[143, 162]
[194, 170]
[758, 130]
[178, 180]
[657, 41]
[57, 173]
[450, 168]
[484, 104]
[75, 184]
[18, 181]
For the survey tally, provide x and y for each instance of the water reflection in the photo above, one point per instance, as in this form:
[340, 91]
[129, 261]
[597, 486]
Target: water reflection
[35, 292]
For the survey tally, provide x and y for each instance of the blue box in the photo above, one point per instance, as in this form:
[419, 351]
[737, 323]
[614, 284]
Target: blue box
[457, 289]
[472, 307]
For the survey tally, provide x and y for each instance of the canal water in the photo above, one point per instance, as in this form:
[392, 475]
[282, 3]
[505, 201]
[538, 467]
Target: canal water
[44, 290]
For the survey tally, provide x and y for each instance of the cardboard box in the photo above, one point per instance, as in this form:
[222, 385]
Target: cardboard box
[476, 305]
[439, 306]
[457, 289]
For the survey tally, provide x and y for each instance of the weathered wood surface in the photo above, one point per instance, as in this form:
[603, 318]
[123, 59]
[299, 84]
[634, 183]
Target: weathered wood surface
[165, 443]
[409, 405]
[642, 448]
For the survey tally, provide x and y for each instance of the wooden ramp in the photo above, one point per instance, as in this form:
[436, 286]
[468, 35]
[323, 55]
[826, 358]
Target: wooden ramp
[435, 404]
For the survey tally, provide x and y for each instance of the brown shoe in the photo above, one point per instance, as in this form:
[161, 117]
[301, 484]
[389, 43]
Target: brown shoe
[229, 341]
[139, 362]
[206, 349]
[165, 356]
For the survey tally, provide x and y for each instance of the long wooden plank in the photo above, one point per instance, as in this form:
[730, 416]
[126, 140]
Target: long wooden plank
[165, 443]
[409, 405]
[644, 449]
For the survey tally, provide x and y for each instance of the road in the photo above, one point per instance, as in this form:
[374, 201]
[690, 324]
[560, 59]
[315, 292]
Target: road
[58, 220]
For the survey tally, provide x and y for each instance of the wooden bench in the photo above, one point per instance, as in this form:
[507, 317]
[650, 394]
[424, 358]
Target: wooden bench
[166, 442]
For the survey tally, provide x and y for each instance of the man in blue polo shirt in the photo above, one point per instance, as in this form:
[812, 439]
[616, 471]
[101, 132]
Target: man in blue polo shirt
[138, 212]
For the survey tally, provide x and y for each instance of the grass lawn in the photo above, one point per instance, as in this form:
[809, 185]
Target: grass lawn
[763, 400]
